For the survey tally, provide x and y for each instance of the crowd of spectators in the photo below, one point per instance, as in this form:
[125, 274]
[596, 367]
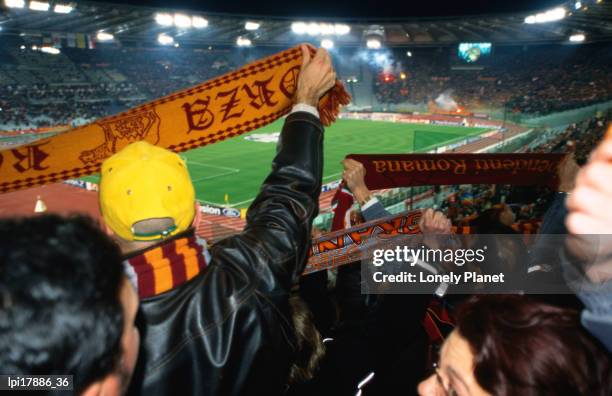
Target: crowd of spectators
[527, 80]
[239, 317]
[579, 137]
[78, 86]
[523, 80]
[463, 204]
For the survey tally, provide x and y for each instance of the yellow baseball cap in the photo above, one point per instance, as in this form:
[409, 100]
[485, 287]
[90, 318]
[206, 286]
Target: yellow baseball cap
[145, 182]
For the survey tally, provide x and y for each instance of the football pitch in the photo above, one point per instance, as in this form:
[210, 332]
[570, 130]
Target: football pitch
[236, 168]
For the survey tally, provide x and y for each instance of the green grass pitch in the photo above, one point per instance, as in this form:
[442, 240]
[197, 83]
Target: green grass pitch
[238, 166]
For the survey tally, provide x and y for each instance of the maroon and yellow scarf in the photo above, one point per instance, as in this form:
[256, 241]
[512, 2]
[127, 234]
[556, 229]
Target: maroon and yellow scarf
[227, 106]
[405, 170]
[167, 266]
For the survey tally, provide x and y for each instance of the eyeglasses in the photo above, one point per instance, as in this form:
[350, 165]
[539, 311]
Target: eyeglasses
[447, 389]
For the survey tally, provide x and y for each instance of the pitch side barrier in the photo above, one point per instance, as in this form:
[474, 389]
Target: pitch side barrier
[474, 121]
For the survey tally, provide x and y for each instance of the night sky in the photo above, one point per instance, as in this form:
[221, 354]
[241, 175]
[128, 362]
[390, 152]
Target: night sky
[353, 8]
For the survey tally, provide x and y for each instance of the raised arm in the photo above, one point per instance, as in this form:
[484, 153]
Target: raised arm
[275, 241]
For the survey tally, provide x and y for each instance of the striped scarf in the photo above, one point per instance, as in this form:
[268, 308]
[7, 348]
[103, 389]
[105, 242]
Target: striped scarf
[224, 107]
[167, 266]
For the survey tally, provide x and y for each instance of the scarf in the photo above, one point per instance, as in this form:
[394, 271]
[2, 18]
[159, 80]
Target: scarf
[405, 170]
[225, 107]
[166, 266]
[347, 246]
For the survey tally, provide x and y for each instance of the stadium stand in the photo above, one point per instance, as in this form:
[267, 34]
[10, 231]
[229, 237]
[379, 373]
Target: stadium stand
[536, 94]
[80, 85]
[524, 79]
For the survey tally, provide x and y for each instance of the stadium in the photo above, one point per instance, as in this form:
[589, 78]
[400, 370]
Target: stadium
[504, 94]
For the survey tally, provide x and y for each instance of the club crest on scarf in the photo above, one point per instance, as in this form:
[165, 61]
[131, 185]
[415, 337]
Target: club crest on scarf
[227, 106]
[120, 132]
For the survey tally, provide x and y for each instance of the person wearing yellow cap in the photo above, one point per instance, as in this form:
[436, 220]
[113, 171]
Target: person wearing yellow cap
[218, 323]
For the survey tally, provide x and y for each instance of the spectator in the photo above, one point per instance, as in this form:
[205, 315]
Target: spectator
[66, 306]
[219, 323]
[512, 345]
[391, 337]
[589, 217]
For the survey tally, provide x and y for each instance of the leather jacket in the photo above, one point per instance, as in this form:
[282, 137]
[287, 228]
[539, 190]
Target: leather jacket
[228, 331]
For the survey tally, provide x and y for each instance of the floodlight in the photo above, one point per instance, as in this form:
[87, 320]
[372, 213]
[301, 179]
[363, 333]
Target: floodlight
[327, 43]
[50, 50]
[298, 27]
[243, 42]
[103, 36]
[182, 21]
[164, 19]
[14, 3]
[39, 6]
[373, 43]
[164, 39]
[342, 29]
[62, 9]
[577, 38]
[251, 25]
[198, 22]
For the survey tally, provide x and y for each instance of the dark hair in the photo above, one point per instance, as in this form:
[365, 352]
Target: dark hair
[60, 283]
[525, 347]
[489, 222]
[310, 349]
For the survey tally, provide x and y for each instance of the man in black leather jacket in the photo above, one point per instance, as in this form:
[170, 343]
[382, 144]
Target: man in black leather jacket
[220, 324]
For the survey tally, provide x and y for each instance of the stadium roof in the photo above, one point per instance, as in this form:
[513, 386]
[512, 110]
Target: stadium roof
[130, 23]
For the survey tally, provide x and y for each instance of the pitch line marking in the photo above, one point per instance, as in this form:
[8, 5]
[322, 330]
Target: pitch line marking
[211, 166]
[331, 176]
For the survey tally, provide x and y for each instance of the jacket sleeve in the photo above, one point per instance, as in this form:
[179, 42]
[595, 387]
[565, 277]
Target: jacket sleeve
[546, 248]
[375, 211]
[274, 244]
[597, 315]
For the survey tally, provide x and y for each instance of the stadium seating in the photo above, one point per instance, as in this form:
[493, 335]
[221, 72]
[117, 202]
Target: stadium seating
[87, 84]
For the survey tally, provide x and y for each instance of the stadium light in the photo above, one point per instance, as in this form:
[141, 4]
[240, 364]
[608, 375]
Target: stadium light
[164, 39]
[249, 25]
[313, 29]
[578, 5]
[39, 6]
[341, 29]
[14, 3]
[182, 21]
[327, 43]
[298, 27]
[103, 36]
[63, 9]
[198, 22]
[243, 42]
[556, 14]
[373, 44]
[50, 50]
[164, 19]
[577, 38]
[324, 29]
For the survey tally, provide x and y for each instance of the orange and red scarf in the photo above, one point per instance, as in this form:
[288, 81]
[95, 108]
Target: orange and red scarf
[227, 106]
[167, 266]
